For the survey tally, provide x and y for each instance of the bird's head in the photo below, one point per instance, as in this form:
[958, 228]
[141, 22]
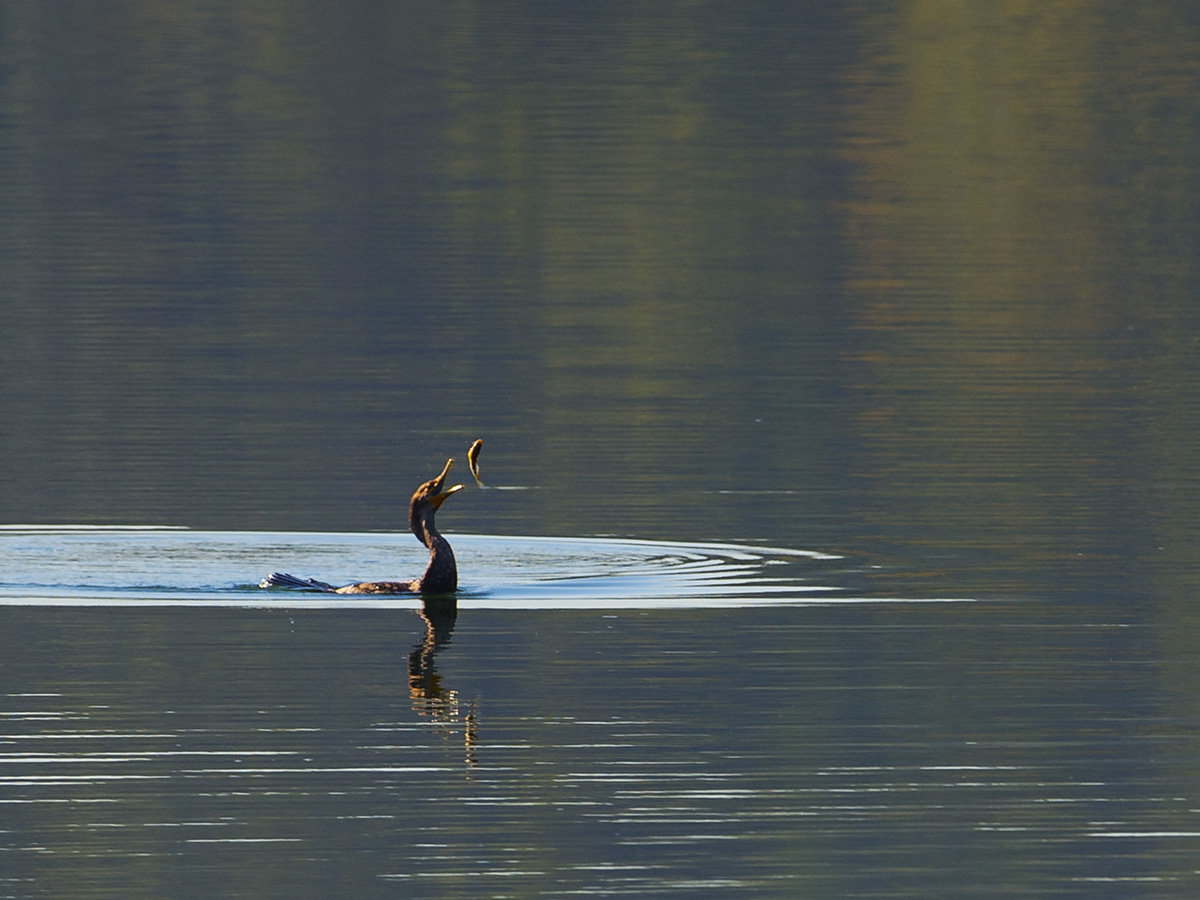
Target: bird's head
[426, 500]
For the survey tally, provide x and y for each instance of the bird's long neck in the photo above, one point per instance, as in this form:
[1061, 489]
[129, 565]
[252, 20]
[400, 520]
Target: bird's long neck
[441, 575]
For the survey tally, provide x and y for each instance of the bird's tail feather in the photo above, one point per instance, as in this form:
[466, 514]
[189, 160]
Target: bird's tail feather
[283, 579]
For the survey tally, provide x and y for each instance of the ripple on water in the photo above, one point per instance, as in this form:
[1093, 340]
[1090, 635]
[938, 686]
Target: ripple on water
[146, 566]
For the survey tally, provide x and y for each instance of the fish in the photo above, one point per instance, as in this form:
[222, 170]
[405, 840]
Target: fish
[473, 460]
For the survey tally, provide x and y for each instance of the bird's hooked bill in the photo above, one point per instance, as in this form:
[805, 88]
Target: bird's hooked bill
[439, 498]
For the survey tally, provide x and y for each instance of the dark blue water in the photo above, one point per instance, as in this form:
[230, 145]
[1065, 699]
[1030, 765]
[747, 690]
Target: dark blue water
[760, 751]
[836, 367]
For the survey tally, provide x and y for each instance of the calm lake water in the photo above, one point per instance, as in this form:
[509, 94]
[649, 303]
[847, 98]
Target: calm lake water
[837, 369]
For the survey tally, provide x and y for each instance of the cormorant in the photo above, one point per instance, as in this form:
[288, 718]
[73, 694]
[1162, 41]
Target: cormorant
[441, 575]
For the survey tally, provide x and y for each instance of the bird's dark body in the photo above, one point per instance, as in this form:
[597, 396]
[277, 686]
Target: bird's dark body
[441, 574]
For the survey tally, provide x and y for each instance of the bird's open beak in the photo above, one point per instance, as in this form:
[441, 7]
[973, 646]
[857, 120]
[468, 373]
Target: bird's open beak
[440, 497]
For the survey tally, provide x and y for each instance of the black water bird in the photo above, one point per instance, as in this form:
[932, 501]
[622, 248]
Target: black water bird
[441, 575]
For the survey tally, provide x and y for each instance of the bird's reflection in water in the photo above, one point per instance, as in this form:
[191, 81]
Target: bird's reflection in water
[446, 710]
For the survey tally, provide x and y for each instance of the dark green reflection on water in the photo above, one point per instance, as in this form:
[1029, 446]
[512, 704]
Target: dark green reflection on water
[929, 278]
[1024, 232]
[565, 232]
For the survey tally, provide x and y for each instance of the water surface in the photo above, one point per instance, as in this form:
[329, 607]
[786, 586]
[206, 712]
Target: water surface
[113, 566]
[780, 322]
[603, 717]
